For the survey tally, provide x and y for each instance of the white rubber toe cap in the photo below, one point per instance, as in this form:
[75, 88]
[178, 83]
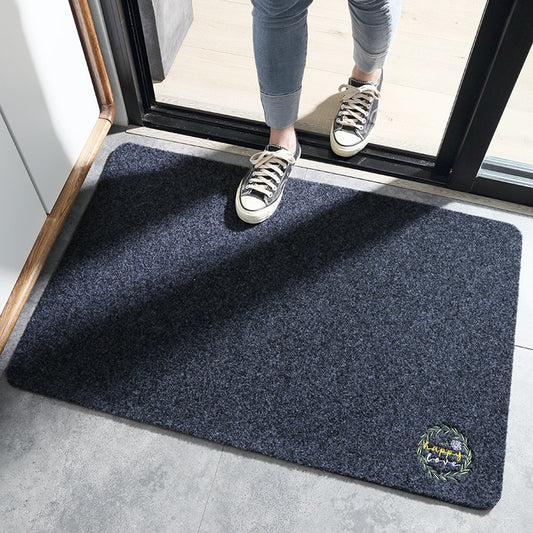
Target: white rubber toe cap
[252, 203]
[346, 139]
[345, 143]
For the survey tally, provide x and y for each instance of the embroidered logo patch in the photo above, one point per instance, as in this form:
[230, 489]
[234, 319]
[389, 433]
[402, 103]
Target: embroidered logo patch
[444, 453]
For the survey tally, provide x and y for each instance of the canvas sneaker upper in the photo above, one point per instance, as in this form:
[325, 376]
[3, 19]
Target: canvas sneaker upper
[356, 116]
[261, 189]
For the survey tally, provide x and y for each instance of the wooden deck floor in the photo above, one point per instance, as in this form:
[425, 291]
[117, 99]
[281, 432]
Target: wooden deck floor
[214, 71]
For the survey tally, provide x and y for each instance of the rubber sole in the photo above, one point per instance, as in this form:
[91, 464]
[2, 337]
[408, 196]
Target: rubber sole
[255, 217]
[345, 151]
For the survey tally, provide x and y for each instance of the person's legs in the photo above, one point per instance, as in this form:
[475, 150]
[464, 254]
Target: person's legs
[280, 49]
[374, 24]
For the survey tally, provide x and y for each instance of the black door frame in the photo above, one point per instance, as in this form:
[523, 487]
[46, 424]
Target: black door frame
[500, 49]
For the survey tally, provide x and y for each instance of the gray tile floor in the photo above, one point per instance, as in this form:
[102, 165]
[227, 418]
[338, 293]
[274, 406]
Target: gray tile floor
[68, 469]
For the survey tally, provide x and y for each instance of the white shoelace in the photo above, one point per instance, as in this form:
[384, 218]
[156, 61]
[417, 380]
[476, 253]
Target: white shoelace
[268, 170]
[355, 106]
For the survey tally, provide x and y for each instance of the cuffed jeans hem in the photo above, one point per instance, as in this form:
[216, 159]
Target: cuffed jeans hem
[281, 111]
[368, 62]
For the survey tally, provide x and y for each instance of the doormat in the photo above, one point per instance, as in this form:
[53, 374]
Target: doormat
[352, 332]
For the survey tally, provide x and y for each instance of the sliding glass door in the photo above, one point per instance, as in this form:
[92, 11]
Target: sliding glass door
[448, 78]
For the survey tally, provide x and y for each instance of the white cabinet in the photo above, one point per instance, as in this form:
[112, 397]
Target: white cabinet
[46, 92]
[48, 110]
[21, 214]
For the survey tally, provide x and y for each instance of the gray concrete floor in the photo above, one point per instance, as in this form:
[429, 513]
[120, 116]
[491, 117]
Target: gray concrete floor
[67, 469]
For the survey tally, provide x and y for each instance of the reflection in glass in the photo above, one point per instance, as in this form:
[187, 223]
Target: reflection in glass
[513, 139]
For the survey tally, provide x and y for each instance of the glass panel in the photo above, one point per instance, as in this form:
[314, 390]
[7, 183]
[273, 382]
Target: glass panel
[513, 139]
[214, 68]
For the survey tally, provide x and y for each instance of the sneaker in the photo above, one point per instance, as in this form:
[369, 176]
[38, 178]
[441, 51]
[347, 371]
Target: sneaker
[260, 191]
[356, 116]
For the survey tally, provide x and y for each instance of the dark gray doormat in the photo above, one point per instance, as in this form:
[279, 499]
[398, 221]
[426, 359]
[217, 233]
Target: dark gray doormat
[355, 333]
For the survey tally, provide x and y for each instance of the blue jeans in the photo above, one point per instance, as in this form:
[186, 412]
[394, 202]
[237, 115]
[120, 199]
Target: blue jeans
[280, 48]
